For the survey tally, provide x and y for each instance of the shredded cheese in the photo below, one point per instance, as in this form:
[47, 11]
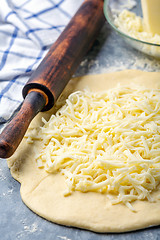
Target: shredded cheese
[106, 142]
[133, 25]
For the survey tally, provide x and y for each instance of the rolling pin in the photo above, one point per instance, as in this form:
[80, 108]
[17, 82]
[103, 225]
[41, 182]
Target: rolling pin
[50, 78]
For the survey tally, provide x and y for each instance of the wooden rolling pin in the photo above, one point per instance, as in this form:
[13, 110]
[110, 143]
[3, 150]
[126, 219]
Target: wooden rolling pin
[54, 72]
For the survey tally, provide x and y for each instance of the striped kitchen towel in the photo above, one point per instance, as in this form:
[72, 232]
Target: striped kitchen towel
[27, 29]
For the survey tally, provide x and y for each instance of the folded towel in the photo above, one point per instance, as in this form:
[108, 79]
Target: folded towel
[27, 30]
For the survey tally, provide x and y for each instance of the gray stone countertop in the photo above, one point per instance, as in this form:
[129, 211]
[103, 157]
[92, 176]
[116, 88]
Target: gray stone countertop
[109, 53]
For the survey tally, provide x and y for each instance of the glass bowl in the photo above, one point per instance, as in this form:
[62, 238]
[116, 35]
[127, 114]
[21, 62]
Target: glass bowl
[112, 8]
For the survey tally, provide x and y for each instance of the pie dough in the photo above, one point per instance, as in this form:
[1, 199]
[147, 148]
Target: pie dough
[43, 192]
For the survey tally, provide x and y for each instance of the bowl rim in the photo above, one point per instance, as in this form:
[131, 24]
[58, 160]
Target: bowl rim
[119, 31]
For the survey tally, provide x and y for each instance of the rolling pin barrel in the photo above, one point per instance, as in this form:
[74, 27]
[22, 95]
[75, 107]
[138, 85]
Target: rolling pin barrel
[50, 78]
[66, 53]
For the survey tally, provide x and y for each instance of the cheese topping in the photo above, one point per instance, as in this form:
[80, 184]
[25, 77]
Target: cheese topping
[106, 142]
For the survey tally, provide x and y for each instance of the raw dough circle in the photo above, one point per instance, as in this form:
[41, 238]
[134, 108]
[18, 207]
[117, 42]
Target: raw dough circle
[43, 192]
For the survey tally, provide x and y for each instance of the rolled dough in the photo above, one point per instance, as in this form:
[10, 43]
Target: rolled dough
[43, 192]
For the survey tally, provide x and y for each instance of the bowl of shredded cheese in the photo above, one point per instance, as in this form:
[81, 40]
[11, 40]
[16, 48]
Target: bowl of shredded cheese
[135, 21]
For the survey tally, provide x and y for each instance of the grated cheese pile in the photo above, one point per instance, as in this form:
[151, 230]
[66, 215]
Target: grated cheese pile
[107, 142]
[133, 25]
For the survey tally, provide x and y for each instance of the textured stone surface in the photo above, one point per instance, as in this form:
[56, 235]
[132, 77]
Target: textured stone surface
[110, 53]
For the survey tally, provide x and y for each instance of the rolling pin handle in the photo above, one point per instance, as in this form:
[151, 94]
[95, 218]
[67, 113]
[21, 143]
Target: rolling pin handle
[43, 89]
[34, 102]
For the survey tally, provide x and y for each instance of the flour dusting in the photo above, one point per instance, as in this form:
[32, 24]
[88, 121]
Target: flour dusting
[64, 238]
[2, 176]
[32, 228]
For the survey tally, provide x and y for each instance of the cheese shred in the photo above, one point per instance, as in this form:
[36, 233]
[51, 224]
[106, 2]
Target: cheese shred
[106, 142]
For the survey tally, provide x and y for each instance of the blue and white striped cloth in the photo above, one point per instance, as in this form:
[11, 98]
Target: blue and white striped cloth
[27, 29]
